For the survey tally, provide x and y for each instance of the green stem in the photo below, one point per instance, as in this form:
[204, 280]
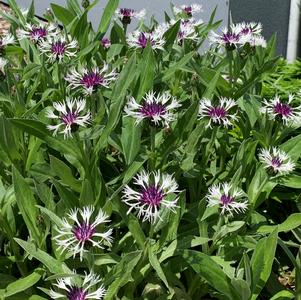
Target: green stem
[230, 58]
[152, 164]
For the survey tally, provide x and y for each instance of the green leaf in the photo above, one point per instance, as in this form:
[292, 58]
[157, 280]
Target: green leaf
[283, 295]
[206, 267]
[171, 34]
[53, 265]
[23, 284]
[64, 15]
[27, 205]
[262, 261]
[107, 15]
[178, 65]
[292, 222]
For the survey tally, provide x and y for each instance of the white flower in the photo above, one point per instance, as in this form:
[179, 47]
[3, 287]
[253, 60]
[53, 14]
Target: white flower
[76, 232]
[284, 111]
[70, 114]
[90, 288]
[230, 38]
[156, 108]
[139, 39]
[188, 10]
[90, 79]
[5, 40]
[218, 114]
[276, 161]
[228, 198]
[57, 47]
[154, 192]
[3, 63]
[187, 29]
[37, 32]
[248, 29]
[127, 14]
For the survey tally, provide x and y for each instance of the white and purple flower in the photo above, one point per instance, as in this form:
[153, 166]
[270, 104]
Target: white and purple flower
[139, 39]
[230, 38]
[280, 110]
[155, 191]
[37, 33]
[276, 161]
[188, 30]
[106, 43]
[228, 198]
[3, 63]
[78, 231]
[90, 79]
[70, 114]
[57, 47]
[220, 113]
[68, 288]
[5, 40]
[157, 108]
[188, 10]
[127, 14]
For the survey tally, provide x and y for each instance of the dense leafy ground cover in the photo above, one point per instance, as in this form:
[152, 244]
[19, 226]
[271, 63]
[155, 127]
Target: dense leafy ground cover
[140, 166]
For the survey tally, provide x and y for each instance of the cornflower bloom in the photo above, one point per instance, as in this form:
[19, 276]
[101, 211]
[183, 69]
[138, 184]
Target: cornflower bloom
[139, 40]
[127, 14]
[218, 114]
[90, 79]
[228, 198]
[70, 116]
[37, 33]
[155, 108]
[188, 10]
[230, 38]
[276, 161]
[283, 111]
[90, 288]
[187, 29]
[78, 231]
[57, 47]
[106, 43]
[5, 40]
[154, 192]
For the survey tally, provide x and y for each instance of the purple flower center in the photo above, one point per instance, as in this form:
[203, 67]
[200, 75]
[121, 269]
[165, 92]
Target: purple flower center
[217, 112]
[230, 37]
[226, 199]
[69, 118]
[150, 110]
[188, 10]
[142, 40]
[38, 33]
[92, 79]
[105, 42]
[152, 195]
[282, 109]
[58, 48]
[127, 12]
[276, 162]
[83, 233]
[76, 293]
[246, 31]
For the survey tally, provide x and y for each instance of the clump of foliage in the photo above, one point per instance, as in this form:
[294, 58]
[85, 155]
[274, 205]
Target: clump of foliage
[137, 165]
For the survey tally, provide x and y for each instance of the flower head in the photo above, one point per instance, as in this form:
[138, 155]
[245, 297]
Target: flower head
[153, 192]
[283, 111]
[188, 10]
[156, 108]
[91, 79]
[78, 231]
[127, 14]
[57, 47]
[228, 198]
[8, 39]
[37, 33]
[218, 114]
[188, 29]
[248, 29]
[106, 43]
[276, 161]
[138, 39]
[230, 38]
[90, 288]
[69, 116]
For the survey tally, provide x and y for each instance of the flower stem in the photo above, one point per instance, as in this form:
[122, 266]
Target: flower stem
[152, 164]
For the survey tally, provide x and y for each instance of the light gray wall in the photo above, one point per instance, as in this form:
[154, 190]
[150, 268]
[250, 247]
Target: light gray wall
[153, 7]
